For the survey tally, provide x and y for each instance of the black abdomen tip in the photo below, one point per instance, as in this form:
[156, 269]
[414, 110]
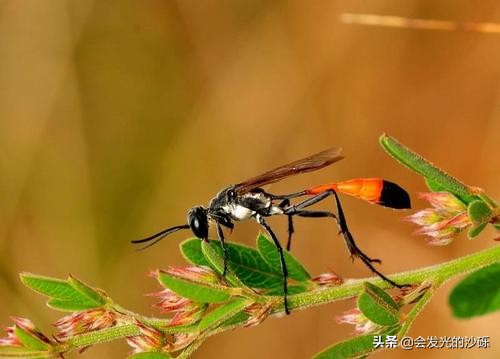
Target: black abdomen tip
[394, 196]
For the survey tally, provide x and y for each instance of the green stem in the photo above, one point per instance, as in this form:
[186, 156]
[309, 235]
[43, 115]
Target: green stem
[415, 311]
[96, 337]
[437, 274]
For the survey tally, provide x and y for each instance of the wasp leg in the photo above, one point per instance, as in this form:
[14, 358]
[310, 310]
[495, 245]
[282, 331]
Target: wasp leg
[283, 205]
[354, 250]
[220, 234]
[284, 269]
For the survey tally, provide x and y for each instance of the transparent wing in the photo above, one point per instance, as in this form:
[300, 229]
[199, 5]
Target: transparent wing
[304, 165]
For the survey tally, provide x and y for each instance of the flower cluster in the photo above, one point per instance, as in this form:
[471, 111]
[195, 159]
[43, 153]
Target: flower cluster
[361, 323]
[27, 327]
[447, 217]
[86, 321]
[184, 310]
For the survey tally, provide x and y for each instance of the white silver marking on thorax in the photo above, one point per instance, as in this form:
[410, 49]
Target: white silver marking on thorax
[238, 212]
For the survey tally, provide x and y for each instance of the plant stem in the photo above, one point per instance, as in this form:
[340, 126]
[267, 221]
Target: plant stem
[96, 337]
[437, 274]
[415, 311]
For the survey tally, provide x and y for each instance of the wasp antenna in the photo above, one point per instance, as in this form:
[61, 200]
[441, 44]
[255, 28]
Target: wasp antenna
[394, 196]
[155, 238]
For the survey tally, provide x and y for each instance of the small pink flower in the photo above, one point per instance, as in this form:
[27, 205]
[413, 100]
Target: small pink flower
[10, 340]
[194, 273]
[362, 324]
[182, 340]
[411, 294]
[258, 313]
[328, 279]
[26, 325]
[190, 315]
[444, 221]
[444, 201]
[84, 322]
[171, 301]
[150, 339]
[184, 310]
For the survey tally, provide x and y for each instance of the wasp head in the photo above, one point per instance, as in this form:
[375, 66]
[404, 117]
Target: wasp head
[198, 222]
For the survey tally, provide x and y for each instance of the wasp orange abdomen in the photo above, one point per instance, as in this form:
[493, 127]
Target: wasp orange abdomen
[373, 190]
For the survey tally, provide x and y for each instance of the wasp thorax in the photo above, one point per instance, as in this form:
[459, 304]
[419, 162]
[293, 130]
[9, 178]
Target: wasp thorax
[198, 222]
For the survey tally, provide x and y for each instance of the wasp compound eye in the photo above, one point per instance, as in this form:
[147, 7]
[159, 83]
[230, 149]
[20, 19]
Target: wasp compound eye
[198, 222]
[231, 194]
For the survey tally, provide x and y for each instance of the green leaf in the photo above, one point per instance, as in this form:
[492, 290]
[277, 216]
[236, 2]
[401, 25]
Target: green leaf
[29, 340]
[391, 330]
[436, 177]
[214, 255]
[199, 292]
[18, 352]
[270, 254]
[249, 266]
[86, 291]
[477, 294]
[66, 295]
[191, 250]
[223, 313]
[433, 186]
[239, 318]
[71, 305]
[378, 306]
[479, 212]
[150, 355]
[51, 287]
[350, 348]
[475, 230]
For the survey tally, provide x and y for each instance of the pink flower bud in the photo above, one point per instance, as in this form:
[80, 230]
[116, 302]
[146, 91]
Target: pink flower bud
[194, 273]
[328, 279]
[150, 339]
[84, 322]
[184, 310]
[443, 222]
[362, 324]
[27, 326]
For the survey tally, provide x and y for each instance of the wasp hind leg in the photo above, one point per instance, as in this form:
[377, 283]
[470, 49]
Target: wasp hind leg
[353, 249]
[284, 269]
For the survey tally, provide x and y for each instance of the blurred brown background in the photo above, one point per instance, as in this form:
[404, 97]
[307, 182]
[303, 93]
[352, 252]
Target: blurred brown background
[117, 116]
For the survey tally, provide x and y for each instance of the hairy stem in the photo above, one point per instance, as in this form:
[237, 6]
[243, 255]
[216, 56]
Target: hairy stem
[437, 275]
